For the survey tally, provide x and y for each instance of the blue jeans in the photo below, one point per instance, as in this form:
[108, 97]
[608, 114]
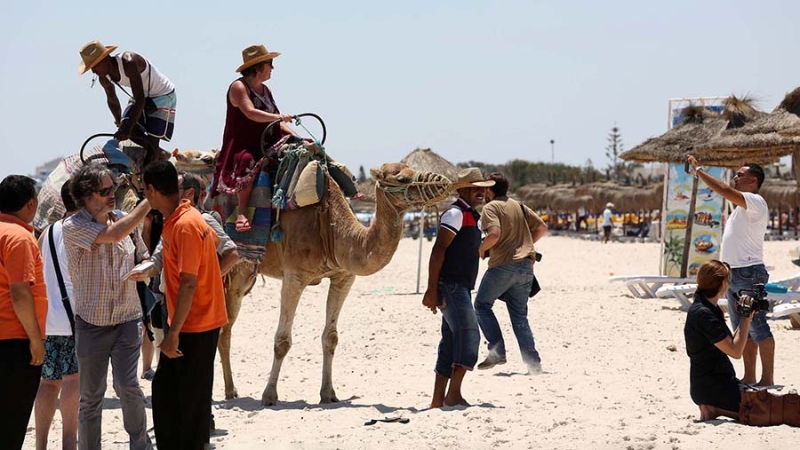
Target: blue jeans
[460, 335]
[744, 278]
[510, 283]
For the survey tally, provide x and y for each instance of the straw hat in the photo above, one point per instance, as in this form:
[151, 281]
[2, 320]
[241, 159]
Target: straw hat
[91, 55]
[255, 54]
[609, 205]
[471, 177]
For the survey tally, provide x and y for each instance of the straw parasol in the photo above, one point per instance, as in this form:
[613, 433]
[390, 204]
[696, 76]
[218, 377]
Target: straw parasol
[770, 135]
[533, 195]
[625, 198]
[780, 193]
[426, 160]
[699, 126]
[592, 196]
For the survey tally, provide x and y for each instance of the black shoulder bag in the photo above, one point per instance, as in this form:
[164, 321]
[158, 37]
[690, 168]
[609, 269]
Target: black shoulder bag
[535, 288]
[146, 297]
[61, 286]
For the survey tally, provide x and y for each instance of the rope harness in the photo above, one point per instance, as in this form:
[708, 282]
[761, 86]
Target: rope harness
[429, 187]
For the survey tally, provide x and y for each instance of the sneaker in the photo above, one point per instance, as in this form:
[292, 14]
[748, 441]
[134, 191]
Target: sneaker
[492, 359]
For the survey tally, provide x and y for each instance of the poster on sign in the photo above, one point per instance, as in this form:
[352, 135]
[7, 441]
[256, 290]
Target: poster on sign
[708, 217]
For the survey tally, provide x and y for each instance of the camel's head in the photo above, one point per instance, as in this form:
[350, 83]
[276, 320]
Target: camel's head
[195, 161]
[407, 188]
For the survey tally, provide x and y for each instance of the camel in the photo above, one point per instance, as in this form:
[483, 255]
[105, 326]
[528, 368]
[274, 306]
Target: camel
[327, 241]
[51, 208]
[199, 162]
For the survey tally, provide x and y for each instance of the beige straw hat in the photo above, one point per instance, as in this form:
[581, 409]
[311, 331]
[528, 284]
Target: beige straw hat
[471, 177]
[255, 54]
[91, 55]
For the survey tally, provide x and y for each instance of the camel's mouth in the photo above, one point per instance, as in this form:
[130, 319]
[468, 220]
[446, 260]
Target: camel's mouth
[423, 189]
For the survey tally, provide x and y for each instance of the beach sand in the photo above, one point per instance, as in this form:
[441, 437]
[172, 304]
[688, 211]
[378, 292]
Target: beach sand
[609, 379]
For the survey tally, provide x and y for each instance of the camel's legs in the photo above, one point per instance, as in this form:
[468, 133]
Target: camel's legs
[242, 279]
[291, 289]
[337, 293]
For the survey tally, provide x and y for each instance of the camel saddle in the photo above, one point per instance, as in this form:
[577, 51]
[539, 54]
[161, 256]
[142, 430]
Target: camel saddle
[301, 174]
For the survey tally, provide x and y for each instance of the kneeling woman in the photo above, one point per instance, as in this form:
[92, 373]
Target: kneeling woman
[709, 343]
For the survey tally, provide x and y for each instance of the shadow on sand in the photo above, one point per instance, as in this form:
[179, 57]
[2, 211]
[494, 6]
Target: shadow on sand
[254, 404]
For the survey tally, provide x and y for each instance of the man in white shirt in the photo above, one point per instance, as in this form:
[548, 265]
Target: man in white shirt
[743, 249]
[607, 222]
[60, 368]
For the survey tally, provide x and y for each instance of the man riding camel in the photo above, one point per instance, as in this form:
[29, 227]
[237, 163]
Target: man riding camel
[150, 114]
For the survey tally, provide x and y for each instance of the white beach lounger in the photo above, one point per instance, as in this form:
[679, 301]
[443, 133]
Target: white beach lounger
[645, 286]
[793, 282]
[679, 292]
[682, 292]
[788, 309]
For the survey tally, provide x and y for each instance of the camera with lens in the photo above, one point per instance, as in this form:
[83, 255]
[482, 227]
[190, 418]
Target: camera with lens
[759, 295]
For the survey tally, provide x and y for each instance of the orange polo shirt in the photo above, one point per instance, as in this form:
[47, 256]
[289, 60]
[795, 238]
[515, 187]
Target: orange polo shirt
[20, 262]
[190, 246]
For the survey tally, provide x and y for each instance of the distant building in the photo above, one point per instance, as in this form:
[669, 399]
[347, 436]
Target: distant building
[42, 172]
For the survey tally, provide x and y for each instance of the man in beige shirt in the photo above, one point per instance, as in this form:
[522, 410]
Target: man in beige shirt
[511, 230]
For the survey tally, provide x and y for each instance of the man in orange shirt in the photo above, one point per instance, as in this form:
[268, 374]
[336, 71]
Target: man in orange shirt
[196, 307]
[23, 308]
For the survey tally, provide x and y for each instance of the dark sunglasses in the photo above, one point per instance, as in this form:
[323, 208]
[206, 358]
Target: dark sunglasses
[269, 63]
[105, 192]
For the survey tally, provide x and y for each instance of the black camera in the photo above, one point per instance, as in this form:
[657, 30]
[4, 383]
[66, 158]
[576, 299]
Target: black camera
[759, 295]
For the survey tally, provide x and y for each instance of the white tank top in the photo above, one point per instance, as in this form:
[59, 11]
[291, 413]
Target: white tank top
[153, 81]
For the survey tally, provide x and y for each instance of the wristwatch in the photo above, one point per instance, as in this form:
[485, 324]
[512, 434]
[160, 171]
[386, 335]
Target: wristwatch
[697, 170]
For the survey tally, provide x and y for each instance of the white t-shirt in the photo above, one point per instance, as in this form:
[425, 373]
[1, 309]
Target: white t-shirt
[57, 320]
[607, 218]
[743, 238]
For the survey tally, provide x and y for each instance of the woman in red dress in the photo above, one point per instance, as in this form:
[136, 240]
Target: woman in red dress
[250, 108]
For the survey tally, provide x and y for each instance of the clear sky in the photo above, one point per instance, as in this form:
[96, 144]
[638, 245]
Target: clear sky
[474, 80]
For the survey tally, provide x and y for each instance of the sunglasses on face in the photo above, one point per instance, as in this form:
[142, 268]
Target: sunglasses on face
[105, 192]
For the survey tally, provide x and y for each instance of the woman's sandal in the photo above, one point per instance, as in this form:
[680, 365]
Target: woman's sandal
[242, 224]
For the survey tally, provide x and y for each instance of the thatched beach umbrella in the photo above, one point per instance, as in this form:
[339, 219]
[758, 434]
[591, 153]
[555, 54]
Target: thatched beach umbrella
[698, 127]
[780, 193]
[426, 160]
[533, 195]
[626, 198]
[770, 135]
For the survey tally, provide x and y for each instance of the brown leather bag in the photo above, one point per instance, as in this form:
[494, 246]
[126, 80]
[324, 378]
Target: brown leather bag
[791, 409]
[760, 408]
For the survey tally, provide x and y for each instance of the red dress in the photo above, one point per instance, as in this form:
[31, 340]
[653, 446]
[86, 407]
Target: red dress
[241, 143]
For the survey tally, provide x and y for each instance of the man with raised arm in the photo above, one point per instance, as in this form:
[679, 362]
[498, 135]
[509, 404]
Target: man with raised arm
[743, 249]
[102, 247]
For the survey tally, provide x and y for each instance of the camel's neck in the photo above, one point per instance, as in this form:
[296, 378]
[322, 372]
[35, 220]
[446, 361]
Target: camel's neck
[366, 250]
